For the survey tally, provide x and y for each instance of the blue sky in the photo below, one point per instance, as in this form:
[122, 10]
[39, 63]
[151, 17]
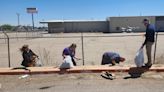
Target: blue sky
[76, 9]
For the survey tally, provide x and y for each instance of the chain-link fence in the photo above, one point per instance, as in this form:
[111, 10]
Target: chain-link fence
[90, 47]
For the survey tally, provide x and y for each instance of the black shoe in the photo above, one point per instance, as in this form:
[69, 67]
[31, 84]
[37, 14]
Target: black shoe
[147, 66]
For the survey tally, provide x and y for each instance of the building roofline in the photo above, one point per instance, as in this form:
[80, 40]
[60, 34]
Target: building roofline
[135, 16]
[62, 21]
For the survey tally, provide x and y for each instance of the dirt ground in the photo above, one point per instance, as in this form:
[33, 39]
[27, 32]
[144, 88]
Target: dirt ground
[85, 82]
[49, 47]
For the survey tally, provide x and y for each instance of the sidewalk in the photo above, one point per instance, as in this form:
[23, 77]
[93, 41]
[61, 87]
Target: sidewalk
[78, 69]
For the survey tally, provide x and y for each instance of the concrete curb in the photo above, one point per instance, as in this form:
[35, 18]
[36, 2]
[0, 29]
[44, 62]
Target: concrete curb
[77, 69]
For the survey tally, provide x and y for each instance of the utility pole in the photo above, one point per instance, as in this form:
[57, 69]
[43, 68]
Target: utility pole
[32, 21]
[18, 18]
[140, 14]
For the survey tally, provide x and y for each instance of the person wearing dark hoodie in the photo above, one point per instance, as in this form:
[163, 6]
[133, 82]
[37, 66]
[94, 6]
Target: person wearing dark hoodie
[28, 56]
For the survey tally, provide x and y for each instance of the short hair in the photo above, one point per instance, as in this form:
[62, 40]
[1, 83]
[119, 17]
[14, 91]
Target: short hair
[145, 19]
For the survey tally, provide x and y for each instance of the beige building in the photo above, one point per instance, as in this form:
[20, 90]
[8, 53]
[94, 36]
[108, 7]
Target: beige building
[111, 25]
[67, 26]
[129, 24]
[160, 23]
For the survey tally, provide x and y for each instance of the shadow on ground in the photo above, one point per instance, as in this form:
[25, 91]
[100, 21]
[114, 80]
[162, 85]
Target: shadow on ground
[136, 72]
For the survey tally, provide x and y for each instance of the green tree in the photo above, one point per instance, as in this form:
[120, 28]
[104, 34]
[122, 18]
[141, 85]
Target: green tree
[6, 27]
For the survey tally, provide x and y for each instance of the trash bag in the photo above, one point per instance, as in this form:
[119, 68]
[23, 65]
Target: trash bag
[38, 62]
[139, 58]
[67, 63]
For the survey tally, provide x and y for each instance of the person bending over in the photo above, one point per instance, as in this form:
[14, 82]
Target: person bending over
[111, 58]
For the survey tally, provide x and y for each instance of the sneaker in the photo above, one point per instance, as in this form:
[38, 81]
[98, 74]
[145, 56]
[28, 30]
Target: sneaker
[147, 66]
[108, 75]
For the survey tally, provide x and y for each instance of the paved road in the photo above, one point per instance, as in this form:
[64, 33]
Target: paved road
[149, 82]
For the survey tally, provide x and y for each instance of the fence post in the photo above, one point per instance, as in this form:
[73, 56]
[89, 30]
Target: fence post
[155, 47]
[8, 45]
[82, 43]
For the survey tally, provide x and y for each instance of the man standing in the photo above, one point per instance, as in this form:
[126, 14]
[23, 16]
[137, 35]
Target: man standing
[149, 40]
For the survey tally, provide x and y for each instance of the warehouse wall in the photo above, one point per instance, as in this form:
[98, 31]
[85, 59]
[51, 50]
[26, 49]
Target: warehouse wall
[118, 23]
[88, 26]
[112, 25]
[160, 23]
[56, 27]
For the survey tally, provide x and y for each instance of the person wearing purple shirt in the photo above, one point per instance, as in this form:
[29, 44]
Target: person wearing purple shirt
[70, 51]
